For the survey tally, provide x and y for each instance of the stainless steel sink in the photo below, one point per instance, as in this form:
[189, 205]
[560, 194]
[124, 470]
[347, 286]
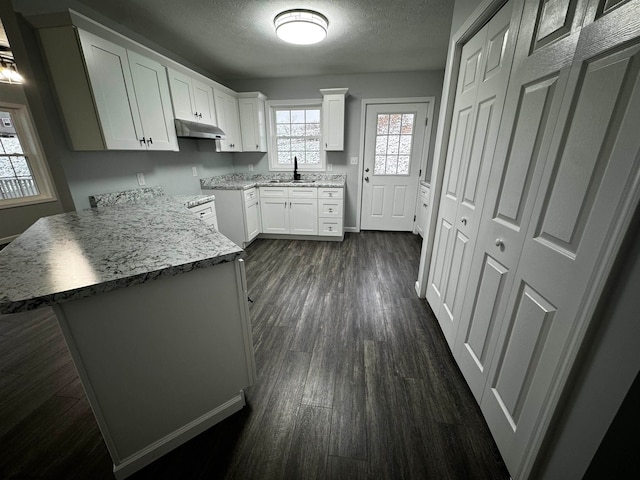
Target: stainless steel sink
[302, 181]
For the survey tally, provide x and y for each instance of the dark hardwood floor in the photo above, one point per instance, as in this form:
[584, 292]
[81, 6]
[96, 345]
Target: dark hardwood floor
[354, 381]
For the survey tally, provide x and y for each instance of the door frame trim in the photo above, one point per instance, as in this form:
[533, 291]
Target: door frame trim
[480, 16]
[430, 101]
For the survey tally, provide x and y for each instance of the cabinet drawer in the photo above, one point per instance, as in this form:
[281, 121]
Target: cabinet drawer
[273, 192]
[329, 227]
[208, 208]
[303, 192]
[251, 194]
[324, 192]
[330, 208]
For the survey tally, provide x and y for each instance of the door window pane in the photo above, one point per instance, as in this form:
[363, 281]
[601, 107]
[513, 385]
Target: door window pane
[394, 140]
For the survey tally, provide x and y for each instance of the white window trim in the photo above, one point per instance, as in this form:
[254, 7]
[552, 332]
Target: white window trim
[271, 132]
[28, 135]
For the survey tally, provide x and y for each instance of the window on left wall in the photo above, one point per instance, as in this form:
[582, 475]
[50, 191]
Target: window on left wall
[24, 175]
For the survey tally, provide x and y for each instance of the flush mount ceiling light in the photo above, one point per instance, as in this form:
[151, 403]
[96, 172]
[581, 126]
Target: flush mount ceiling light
[302, 27]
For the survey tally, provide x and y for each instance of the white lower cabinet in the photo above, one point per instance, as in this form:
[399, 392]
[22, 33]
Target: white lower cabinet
[331, 211]
[289, 210]
[238, 214]
[422, 211]
[207, 213]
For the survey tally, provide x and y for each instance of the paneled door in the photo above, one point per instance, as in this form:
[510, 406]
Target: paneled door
[587, 194]
[394, 135]
[482, 83]
[536, 87]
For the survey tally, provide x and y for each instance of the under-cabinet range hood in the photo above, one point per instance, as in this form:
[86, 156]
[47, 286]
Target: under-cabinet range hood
[185, 128]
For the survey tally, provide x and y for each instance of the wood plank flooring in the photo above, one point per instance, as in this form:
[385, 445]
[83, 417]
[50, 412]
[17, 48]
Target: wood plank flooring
[355, 381]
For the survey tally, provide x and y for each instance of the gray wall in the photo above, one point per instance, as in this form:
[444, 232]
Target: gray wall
[15, 220]
[381, 85]
[461, 11]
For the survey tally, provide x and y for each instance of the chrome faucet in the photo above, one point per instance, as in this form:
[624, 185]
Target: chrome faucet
[296, 175]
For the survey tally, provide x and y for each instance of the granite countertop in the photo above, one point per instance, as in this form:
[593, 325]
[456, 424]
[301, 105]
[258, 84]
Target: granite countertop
[191, 201]
[238, 181]
[74, 255]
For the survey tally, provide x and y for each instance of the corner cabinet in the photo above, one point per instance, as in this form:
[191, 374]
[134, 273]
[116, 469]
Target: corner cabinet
[333, 108]
[228, 121]
[238, 214]
[111, 98]
[253, 121]
[191, 99]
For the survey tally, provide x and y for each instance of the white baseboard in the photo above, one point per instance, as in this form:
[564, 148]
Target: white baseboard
[144, 457]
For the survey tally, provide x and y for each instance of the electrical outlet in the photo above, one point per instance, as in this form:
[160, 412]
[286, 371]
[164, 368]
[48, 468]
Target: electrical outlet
[141, 179]
[329, 167]
[195, 171]
[251, 167]
[354, 160]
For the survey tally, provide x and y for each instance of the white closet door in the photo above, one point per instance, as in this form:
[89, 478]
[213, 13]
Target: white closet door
[538, 80]
[588, 192]
[482, 82]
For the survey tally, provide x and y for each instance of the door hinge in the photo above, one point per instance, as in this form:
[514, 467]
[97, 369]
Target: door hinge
[414, 218]
[426, 121]
[420, 173]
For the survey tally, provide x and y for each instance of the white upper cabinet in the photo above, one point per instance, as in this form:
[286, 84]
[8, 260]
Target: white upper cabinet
[228, 121]
[333, 107]
[252, 121]
[111, 98]
[152, 99]
[192, 100]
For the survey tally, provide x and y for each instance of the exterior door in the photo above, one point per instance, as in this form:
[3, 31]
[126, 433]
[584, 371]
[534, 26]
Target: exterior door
[482, 83]
[394, 135]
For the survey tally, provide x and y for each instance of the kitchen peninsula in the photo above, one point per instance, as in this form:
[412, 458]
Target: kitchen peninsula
[152, 304]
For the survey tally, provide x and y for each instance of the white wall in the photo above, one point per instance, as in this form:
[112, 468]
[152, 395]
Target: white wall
[381, 85]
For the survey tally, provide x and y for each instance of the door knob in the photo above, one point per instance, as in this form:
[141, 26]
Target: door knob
[464, 220]
[499, 242]
[366, 179]
[366, 169]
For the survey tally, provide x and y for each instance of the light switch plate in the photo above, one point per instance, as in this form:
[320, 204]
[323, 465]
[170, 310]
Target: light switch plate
[195, 171]
[329, 167]
[251, 167]
[354, 160]
[141, 180]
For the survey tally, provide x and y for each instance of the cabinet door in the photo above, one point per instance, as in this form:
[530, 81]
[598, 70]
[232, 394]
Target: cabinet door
[112, 87]
[252, 218]
[228, 121]
[154, 104]
[275, 215]
[181, 95]
[252, 125]
[303, 216]
[204, 104]
[333, 104]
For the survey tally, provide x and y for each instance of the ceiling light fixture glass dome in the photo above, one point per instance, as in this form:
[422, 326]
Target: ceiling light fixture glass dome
[302, 27]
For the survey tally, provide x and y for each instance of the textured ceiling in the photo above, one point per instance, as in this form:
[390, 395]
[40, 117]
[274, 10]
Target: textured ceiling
[236, 39]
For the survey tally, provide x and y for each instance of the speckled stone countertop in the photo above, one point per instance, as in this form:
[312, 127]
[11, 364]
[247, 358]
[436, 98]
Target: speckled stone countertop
[74, 255]
[190, 201]
[137, 195]
[239, 181]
